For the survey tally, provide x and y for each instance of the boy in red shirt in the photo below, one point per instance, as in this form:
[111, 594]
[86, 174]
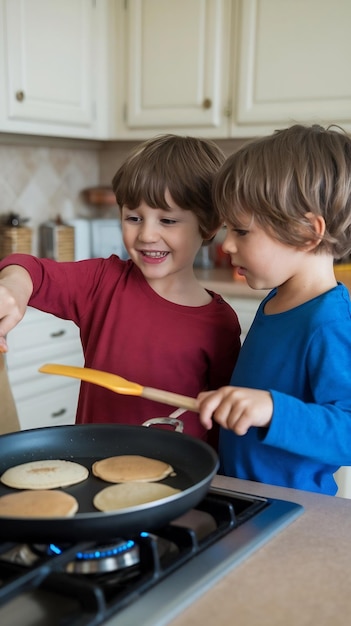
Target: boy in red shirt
[147, 319]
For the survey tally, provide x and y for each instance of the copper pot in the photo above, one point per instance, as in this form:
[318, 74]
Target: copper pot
[99, 196]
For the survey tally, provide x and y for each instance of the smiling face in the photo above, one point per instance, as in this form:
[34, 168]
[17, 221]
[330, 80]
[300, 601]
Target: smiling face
[161, 242]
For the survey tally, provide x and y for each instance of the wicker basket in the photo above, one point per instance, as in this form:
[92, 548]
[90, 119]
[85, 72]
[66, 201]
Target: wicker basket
[57, 241]
[65, 243]
[15, 239]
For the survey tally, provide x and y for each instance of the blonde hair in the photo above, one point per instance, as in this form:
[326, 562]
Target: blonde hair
[185, 166]
[282, 177]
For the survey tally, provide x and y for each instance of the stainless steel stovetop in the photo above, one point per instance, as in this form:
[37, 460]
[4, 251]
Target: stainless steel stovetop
[146, 579]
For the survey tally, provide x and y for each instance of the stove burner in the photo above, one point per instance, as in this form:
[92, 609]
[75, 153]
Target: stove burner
[106, 558]
[100, 559]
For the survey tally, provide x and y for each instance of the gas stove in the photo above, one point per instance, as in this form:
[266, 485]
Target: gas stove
[148, 578]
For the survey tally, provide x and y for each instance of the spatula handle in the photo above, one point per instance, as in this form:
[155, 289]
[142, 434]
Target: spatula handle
[168, 397]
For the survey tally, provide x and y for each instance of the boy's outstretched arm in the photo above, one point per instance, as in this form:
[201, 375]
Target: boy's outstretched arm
[15, 290]
[236, 408]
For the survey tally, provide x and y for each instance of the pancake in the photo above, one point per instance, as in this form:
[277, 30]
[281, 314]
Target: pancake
[46, 474]
[43, 503]
[131, 467]
[127, 495]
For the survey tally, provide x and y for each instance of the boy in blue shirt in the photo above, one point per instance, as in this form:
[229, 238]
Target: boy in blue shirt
[286, 418]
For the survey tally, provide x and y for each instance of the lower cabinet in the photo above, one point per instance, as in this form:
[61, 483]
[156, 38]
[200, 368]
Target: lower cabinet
[57, 408]
[43, 399]
[245, 308]
[343, 480]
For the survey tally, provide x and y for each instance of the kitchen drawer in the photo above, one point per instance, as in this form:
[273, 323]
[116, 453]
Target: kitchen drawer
[56, 408]
[38, 336]
[20, 361]
[27, 381]
[42, 399]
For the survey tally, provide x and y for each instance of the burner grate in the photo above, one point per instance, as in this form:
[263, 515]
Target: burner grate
[55, 595]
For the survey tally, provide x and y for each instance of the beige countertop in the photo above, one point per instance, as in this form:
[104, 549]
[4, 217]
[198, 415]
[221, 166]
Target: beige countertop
[301, 577]
[221, 281]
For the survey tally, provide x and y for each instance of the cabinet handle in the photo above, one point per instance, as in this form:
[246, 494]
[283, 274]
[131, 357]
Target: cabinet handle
[20, 96]
[207, 103]
[59, 333]
[59, 413]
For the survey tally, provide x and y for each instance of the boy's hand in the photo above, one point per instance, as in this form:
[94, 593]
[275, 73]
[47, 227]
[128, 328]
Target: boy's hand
[236, 408]
[10, 313]
[3, 344]
[15, 290]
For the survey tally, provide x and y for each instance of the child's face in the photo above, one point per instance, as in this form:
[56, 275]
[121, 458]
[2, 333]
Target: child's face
[263, 260]
[161, 242]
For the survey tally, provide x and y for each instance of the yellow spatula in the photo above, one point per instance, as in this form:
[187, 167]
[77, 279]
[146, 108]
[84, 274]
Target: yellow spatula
[120, 385]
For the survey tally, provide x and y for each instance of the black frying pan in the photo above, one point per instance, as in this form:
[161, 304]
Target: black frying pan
[195, 463]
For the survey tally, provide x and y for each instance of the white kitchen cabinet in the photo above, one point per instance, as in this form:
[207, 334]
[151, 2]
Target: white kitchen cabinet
[173, 55]
[42, 399]
[229, 68]
[47, 71]
[293, 64]
[131, 69]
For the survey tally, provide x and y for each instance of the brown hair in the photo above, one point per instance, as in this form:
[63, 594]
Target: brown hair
[279, 178]
[185, 166]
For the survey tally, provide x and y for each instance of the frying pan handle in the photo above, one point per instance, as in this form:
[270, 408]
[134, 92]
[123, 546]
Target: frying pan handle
[172, 421]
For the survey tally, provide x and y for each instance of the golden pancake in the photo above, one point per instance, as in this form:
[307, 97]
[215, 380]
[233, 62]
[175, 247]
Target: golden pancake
[46, 474]
[131, 467]
[43, 503]
[127, 495]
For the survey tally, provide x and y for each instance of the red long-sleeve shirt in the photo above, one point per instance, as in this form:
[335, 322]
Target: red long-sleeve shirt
[126, 328]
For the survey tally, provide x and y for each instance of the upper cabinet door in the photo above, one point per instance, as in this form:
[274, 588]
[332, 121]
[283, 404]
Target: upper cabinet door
[294, 58]
[49, 66]
[177, 65]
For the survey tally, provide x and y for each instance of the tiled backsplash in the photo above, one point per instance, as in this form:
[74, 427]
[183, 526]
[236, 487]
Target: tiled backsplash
[41, 182]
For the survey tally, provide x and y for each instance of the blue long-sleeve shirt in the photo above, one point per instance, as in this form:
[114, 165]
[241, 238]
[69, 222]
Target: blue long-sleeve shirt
[303, 357]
